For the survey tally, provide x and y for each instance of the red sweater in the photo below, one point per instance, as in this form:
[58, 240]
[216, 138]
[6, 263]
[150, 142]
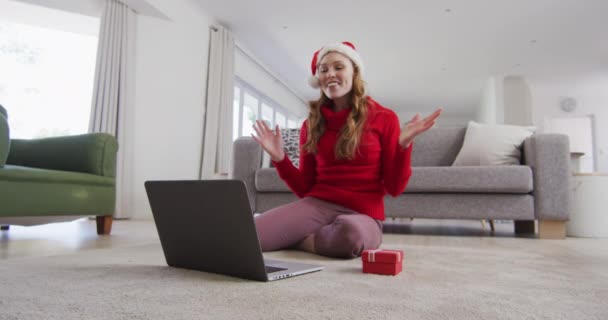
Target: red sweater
[379, 167]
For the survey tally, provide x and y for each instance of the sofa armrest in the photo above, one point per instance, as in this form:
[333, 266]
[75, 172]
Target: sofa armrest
[5, 141]
[93, 153]
[246, 160]
[548, 155]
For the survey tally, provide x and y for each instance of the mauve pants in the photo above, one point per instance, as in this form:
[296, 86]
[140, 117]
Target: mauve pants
[339, 232]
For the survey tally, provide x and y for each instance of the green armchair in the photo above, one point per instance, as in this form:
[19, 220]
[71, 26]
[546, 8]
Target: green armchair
[57, 177]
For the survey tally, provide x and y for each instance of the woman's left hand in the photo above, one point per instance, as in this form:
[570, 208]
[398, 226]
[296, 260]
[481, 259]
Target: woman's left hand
[416, 126]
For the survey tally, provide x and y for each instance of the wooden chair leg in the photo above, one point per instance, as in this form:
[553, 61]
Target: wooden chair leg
[5, 227]
[104, 224]
[491, 224]
[483, 224]
[551, 229]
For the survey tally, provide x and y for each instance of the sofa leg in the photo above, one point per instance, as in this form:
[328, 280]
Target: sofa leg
[490, 221]
[524, 227]
[5, 227]
[551, 229]
[104, 224]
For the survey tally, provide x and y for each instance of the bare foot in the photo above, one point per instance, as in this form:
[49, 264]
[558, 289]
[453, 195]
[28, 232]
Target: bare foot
[308, 244]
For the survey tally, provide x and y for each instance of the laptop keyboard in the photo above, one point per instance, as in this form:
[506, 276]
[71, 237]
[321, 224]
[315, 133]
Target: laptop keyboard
[270, 269]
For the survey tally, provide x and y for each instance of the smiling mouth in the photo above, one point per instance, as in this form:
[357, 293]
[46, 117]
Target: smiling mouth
[332, 84]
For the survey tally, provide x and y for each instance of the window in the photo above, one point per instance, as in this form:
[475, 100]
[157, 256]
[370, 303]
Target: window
[292, 124]
[280, 119]
[268, 114]
[47, 76]
[250, 114]
[250, 105]
[236, 114]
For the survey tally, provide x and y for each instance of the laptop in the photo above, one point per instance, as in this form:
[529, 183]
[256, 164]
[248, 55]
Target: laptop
[208, 225]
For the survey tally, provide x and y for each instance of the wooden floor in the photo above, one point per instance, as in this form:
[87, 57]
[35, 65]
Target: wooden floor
[80, 235]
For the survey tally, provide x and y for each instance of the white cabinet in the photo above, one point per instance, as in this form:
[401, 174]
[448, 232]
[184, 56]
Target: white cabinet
[588, 206]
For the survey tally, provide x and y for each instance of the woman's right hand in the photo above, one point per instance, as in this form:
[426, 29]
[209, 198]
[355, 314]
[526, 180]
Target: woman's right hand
[270, 141]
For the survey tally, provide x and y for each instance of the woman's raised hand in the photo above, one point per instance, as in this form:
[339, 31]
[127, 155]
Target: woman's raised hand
[416, 126]
[270, 141]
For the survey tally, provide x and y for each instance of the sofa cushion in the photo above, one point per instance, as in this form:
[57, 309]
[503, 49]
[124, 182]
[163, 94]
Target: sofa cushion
[437, 147]
[461, 206]
[481, 179]
[268, 180]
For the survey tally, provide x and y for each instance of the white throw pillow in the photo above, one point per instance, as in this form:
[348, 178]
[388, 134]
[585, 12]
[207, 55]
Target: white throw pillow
[492, 145]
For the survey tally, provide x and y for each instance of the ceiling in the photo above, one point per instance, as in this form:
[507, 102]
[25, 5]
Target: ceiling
[427, 53]
[95, 7]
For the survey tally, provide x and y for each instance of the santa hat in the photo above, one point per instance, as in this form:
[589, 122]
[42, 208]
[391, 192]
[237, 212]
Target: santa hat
[346, 48]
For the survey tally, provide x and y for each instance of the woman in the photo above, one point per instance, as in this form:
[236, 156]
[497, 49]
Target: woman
[352, 152]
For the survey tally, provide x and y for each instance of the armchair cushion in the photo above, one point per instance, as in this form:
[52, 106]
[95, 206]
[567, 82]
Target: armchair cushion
[27, 174]
[93, 153]
[30, 192]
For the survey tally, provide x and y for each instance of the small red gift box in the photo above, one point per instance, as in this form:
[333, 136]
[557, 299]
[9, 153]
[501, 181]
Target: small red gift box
[380, 261]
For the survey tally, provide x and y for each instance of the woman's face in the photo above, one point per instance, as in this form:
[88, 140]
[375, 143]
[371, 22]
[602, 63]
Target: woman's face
[336, 73]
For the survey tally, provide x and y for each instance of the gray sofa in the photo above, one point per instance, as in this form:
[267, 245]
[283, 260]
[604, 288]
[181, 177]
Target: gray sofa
[533, 194]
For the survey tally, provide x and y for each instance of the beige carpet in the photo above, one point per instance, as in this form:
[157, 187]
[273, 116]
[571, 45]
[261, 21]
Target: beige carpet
[443, 278]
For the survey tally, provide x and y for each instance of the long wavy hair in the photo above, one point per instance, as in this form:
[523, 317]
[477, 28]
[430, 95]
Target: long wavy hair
[349, 136]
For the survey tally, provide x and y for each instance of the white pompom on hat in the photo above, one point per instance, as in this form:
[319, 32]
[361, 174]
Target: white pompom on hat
[346, 48]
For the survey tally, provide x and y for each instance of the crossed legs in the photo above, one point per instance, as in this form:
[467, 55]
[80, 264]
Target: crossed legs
[318, 226]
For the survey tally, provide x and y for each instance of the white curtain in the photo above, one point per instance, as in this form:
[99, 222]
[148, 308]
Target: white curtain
[112, 106]
[217, 138]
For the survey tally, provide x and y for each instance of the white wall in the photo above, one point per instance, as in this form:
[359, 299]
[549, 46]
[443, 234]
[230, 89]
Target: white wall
[517, 101]
[443, 121]
[491, 109]
[165, 127]
[505, 100]
[246, 68]
[171, 69]
[591, 93]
